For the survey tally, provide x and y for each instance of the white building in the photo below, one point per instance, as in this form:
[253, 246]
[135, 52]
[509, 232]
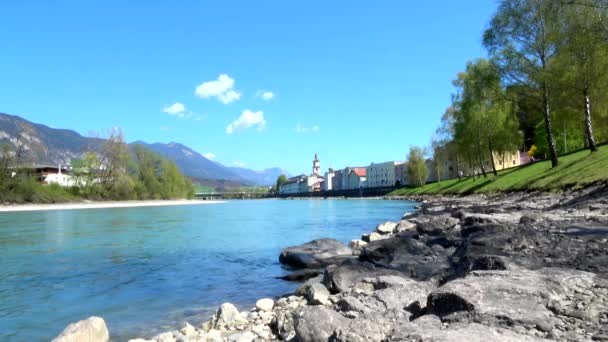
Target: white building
[54, 175]
[383, 174]
[304, 184]
[292, 185]
[329, 178]
[356, 178]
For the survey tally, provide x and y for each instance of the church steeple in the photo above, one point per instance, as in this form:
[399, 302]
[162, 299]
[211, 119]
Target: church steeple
[316, 166]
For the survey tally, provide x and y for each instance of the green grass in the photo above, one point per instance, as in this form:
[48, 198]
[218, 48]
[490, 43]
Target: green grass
[575, 170]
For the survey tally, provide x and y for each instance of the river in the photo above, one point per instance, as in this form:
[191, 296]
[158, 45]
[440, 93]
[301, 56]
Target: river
[149, 269]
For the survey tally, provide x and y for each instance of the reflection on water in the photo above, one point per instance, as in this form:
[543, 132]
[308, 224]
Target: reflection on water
[145, 269]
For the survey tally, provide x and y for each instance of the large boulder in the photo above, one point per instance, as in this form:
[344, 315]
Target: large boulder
[429, 329]
[317, 323]
[338, 278]
[92, 329]
[317, 294]
[387, 227]
[518, 297]
[316, 254]
[407, 255]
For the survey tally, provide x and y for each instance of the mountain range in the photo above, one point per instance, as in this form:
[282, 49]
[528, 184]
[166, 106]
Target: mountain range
[46, 145]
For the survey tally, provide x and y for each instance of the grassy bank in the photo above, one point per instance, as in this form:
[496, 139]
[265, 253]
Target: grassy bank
[574, 171]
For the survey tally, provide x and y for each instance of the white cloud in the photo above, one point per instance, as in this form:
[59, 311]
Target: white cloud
[246, 120]
[267, 95]
[209, 155]
[164, 128]
[174, 109]
[303, 129]
[222, 89]
[238, 164]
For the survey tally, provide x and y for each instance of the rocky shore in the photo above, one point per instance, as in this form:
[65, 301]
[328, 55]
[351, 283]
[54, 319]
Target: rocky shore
[509, 267]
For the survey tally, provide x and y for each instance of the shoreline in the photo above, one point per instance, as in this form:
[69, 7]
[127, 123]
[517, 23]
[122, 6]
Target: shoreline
[411, 279]
[10, 208]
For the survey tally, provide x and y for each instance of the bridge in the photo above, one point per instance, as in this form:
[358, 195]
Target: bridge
[230, 195]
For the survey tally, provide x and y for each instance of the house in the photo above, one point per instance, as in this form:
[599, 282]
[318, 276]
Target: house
[292, 185]
[401, 175]
[507, 160]
[47, 174]
[336, 181]
[357, 178]
[383, 174]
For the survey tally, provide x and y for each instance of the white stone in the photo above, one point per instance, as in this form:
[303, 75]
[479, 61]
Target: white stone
[405, 225]
[188, 330]
[387, 227]
[357, 243]
[164, 337]
[246, 336]
[265, 304]
[92, 329]
[141, 340]
[214, 335]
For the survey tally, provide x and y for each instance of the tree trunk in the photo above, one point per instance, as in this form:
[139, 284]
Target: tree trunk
[483, 169]
[588, 125]
[457, 167]
[492, 157]
[549, 127]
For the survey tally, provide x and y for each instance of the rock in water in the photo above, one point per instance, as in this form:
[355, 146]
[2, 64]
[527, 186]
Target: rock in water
[92, 329]
[315, 254]
[265, 304]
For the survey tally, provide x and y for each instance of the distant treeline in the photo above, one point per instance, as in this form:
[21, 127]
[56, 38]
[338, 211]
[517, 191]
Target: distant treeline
[115, 172]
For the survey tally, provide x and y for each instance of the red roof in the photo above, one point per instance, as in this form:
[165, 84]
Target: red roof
[360, 171]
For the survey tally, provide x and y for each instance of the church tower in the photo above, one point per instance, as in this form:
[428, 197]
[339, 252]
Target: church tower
[316, 166]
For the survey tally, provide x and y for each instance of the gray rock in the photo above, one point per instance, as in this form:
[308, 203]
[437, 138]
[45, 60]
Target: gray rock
[317, 323]
[92, 329]
[405, 225]
[457, 333]
[227, 315]
[387, 227]
[519, 297]
[340, 278]
[315, 254]
[371, 237]
[317, 294]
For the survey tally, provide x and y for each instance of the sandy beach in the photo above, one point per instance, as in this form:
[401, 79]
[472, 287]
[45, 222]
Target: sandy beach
[100, 205]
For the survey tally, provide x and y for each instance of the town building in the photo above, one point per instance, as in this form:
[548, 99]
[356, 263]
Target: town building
[292, 185]
[328, 183]
[47, 174]
[507, 160]
[304, 184]
[357, 178]
[382, 174]
[336, 181]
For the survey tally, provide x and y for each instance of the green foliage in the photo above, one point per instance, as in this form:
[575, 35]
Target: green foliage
[575, 171]
[417, 171]
[146, 175]
[280, 180]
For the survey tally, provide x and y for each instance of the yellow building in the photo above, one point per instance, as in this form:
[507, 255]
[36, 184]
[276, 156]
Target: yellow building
[506, 160]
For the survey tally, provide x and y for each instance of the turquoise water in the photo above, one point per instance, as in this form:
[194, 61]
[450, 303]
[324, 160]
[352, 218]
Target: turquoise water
[149, 269]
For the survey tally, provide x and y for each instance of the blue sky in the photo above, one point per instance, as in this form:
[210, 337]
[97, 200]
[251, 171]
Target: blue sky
[355, 81]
